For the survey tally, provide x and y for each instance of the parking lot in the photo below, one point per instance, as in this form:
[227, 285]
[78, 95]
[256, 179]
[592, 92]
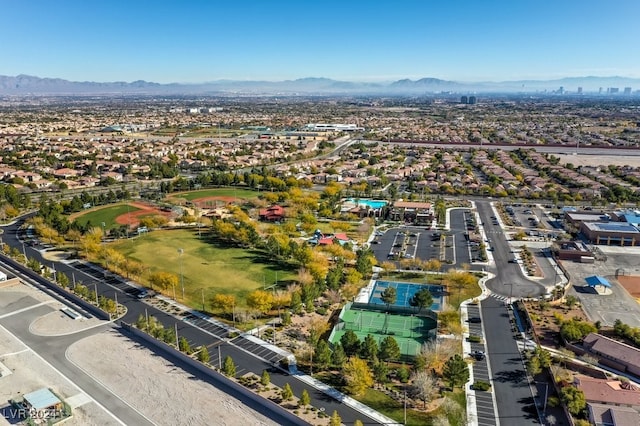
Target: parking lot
[533, 218]
[411, 242]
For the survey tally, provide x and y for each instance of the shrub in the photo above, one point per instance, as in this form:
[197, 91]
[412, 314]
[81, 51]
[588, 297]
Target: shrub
[553, 401]
[480, 385]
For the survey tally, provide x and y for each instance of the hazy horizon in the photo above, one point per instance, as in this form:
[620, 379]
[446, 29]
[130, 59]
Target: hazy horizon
[203, 41]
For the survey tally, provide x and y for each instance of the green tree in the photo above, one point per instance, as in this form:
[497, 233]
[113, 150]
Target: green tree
[63, 279]
[533, 366]
[422, 299]
[570, 301]
[183, 345]
[543, 355]
[335, 419]
[305, 399]
[574, 399]
[265, 379]
[389, 349]
[358, 423]
[286, 318]
[357, 375]
[34, 265]
[389, 296]
[338, 357]
[322, 355]
[203, 354]
[456, 371]
[575, 330]
[364, 261]
[229, 367]
[286, 394]
[350, 343]
[403, 373]
[167, 335]
[369, 348]
[296, 302]
[381, 372]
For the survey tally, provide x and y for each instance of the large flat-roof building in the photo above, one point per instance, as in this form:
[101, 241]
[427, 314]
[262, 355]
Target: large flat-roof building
[611, 233]
[578, 217]
[333, 127]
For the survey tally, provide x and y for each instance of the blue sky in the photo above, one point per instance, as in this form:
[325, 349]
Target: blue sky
[200, 40]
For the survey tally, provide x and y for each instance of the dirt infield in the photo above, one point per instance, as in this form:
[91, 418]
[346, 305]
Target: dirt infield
[133, 218]
[631, 283]
[213, 202]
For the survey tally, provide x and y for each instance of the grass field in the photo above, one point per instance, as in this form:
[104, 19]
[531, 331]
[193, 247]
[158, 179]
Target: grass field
[206, 266]
[216, 192]
[107, 215]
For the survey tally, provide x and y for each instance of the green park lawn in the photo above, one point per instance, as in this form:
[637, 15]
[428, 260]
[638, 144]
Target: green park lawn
[216, 192]
[106, 214]
[206, 266]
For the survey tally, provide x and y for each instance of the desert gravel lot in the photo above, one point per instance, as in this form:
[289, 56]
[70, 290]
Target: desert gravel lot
[162, 392]
[159, 390]
[599, 160]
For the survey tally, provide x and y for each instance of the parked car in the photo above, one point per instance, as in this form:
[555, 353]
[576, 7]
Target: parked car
[475, 320]
[478, 355]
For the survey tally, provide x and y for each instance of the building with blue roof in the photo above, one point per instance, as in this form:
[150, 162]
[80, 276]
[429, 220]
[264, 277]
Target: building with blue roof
[42, 400]
[597, 280]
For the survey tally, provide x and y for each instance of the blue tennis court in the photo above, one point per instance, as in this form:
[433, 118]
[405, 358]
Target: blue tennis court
[405, 292]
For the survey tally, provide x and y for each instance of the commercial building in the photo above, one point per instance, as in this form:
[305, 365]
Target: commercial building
[417, 213]
[611, 233]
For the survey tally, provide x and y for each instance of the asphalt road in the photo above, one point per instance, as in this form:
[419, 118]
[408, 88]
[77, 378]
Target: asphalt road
[53, 351]
[508, 280]
[516, 406]
[241, 350]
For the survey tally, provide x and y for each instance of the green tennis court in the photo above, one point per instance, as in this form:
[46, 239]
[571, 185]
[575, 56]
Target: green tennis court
[410, 331]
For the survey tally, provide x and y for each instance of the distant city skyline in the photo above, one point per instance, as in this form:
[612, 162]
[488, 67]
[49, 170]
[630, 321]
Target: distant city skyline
[201, 41]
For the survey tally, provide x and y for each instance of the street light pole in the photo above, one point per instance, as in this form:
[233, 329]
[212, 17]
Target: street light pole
[181, 251]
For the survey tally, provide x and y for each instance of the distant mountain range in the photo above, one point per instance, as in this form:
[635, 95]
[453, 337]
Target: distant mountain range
[30, 85]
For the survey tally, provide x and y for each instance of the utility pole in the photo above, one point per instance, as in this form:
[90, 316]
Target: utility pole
[181, 251]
